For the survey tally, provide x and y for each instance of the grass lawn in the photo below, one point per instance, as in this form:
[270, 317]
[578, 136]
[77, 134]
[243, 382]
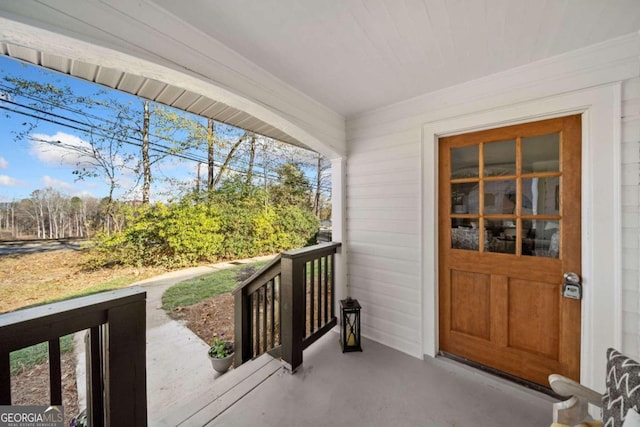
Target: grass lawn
[109, 285]
[209, 285]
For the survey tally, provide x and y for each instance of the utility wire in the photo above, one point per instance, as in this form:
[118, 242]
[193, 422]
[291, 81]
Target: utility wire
[106, 106]
[159, 148]
[12, 89]
[84, 113]
[80, 112]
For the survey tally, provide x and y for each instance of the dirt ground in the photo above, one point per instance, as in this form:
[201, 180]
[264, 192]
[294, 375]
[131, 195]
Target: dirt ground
[212, 317]
[209, 318]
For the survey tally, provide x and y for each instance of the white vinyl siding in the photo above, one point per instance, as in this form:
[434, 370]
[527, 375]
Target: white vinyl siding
[383, 178]
[631, 216]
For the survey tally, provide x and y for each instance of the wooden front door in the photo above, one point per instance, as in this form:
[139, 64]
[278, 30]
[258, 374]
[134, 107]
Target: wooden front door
[509, 228]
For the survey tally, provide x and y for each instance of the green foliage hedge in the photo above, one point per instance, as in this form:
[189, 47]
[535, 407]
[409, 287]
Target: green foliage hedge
[237, 222]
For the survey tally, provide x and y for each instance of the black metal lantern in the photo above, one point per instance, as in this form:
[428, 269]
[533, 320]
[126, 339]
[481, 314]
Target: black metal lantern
[350, 331]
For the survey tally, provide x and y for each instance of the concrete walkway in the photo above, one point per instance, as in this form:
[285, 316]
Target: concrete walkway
[177, 362]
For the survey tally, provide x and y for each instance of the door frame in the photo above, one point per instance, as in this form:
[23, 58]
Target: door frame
[600, 108]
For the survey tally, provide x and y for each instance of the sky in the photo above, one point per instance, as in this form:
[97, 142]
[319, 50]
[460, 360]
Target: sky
[37, 160]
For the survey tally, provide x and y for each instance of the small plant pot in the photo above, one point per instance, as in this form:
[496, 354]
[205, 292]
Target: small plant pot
[221, 365]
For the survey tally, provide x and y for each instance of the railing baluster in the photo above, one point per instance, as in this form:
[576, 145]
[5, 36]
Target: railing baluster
[318, 262]
[312, 295]
[256, 323]
[264, 319]
[252, 326]
[242, 330]
[326, 289]
[273, 312]
[304, 302]
[319, 299]
[95, 400]
[333, 286]
[279, 309]
[55, 373]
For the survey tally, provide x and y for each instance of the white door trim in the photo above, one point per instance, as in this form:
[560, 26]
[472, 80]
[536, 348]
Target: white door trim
[601, 213]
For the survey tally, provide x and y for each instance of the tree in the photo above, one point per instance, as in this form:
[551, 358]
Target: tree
[78, 214]
[48, 213]
[146, 163]
[293, 188]
[210, 157]
[323, 166]
[252, 156]
[189, 133]
[227, 159]
[8, 219]
[100, 151]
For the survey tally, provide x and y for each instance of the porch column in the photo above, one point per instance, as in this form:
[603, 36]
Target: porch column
[339, 225]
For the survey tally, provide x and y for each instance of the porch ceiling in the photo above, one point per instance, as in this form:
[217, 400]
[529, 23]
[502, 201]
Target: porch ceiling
[358, 55]
[151, 89]
[322, 61]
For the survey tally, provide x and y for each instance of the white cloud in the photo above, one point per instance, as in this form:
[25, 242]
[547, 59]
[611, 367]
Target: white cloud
[57, 184]
[84, 193]
[60, 149]
[171, 163]
[3, 163]
[7, 181]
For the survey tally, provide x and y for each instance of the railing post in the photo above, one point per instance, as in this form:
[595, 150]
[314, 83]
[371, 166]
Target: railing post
[5, 378]
[242, 328]
[126, 386]
[293, 315]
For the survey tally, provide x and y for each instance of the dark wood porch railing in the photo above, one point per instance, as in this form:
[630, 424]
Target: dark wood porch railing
[116, 351]
[287, 305]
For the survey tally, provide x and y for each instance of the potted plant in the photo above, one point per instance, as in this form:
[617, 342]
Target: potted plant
[221, 354]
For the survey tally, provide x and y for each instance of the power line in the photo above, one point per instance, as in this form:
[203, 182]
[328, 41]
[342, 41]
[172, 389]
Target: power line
[86, 114]
[156, 147]
[84, 130]
[79, 112]
[13, 89]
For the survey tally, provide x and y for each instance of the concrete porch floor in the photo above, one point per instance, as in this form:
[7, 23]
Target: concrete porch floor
[382, 387]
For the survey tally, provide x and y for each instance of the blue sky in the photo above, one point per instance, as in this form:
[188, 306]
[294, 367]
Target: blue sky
[32, 164]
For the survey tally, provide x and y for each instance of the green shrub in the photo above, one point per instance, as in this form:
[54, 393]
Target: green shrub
[236, 223]
[300, 226]
[174, 235]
